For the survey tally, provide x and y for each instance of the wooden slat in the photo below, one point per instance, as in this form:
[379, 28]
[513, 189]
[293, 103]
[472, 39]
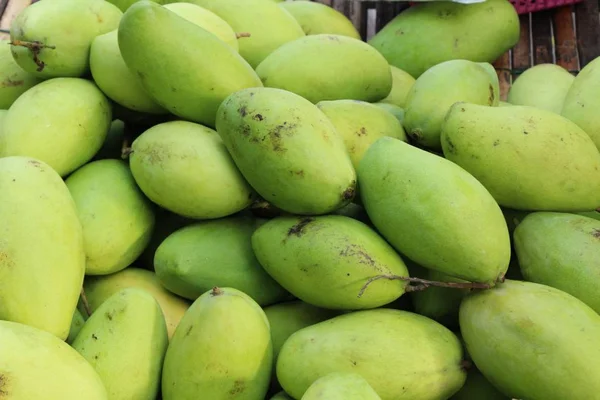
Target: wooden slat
[541, 35]
[503, 69]
[12, 9]
[588, 31]
[520, 54]
[565, 39]
[386, 11]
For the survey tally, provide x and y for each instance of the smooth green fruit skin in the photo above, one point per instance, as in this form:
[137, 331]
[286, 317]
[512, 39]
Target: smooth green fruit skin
[316, 18]
[544, 86]
[69, 26]
[582, 101]
[181, 78]
[591, 214]
[533, 342]
[437, 90]
[406, 192]
[219, 253]
[76, 325]
[281, 396]
[288, 150]
[62, 122]
[334, 67]
[431, 33]
[528, 158]
[504, 104]
[42, 260]
[376, 344]
[180, 154]
[396, 111]
[117, 223]
[125, 4]
[402, 83]
[341, 386]
[207, 356]
[38, 365]
[125, 341]
[14, 81]
[478, 388]
[561, 250]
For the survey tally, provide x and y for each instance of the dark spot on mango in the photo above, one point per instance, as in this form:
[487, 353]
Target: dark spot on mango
[298, 229]
[238, 387]
[10, 83]
[108, 315]
[492, 97]
[525, 132]
[451, 147]
[189, 330]
[596, 233]
[353, 362]
[362, 131]
[242, 111]
[258, 117]
[35, 163]
[496, 142]
[3, 386]
[415, 134]
[94, 336]
[349, 193]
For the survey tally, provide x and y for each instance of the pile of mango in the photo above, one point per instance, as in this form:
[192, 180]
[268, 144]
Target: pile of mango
[244, 200]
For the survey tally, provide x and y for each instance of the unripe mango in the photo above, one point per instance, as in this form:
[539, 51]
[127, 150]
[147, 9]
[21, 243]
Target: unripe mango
[544, 86]
[316, 18]
[112, 148]
[393, 109]
[341, 386]
[76, 325]
[281, 396]
[14, 81]
[478, 388]
[402, 83]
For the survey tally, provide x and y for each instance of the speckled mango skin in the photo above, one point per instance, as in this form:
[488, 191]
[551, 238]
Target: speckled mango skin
[341, 386]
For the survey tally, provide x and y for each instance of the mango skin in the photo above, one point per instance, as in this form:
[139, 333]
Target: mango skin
[14, 81]
[75, 115]
[317, 18]
[288, 150]
[281, 396]
[337, 67]
[113, 143]
[396, 111]
[477, 387]
[207, 356]
[372, 343]
[181, 78]
[554, 162]
[125, 341]
[402, 83]
[38, 288]
[544, 86]
[431, 33]
[38, 365]
[125, 4]
[532, 341]
[341, 386]
[406, 192]
[591, 214]
[76, 325]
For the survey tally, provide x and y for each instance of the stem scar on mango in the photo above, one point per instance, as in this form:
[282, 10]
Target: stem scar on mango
[35, 47]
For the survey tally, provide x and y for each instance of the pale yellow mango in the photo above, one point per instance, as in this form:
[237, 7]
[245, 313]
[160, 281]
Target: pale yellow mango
[544, 86]
[316, 18]
[402, 82]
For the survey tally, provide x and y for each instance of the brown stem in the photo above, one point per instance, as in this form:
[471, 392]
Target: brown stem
[466, 365]
[35, 47]
[125, 148]
[242, 34]
[86, 304]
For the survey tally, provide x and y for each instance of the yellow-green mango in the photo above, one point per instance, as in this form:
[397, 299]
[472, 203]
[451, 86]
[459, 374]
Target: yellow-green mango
[582, 101]
[125, 341]
[42, 260]
[76, 325]
[335, 67]
[504, 104]
[396, 111]
[14, 81]
[181, 78]
[288, 150]
[180, 154]
[52, 39]
[563, 251]
[533, 342]
[477, 387]
[38, 365]
[544, 86]
[112, 147]
[402, 82]
[360, 124]
[281, 395]
[125, 4]
[62, 122]
[437, 90]
[528, 158]
[591, 214]
[316, 18]
[376, 344]
[206, 356]
[431, 33]
[199, 257]
[327, 260]
[418, 200]
[341, 386]
[117, 223]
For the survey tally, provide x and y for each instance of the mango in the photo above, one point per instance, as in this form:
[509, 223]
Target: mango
[504, 104]
[406, 192]
[113, 143]
[396, 111]
[288, 150]
[48, 44]
[430, 33]
[206, 356]
[402, 82]
[544, 86]
[75, 117]
[42, 260]
[532, 341]
[125, 341]
[437, 90]
[360, 124]
[99, 288]
[76, 325]
[199, 257]
[341, 386]
[181, 78]
[591, 214]
[355, 211]
[38, 365]
[478, 388]
[528, 158]
[376, 345]
[14, 81]
[125, 4]
[177, 154]
[117, 223]
[317, 18]
[581, 101]
[281, 396]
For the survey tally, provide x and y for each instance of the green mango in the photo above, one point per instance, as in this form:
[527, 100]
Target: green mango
[402, 83]
[281, 395]
[533, 342]
[553, 161]
[125, 341]
[591, 214]
[341, 386]
[181, 78]
[418, 200]
[113, 144]
[561, 250]
[437, 90]
[125, 4]
[317, 18]
[14, 81]
[42, 260]
[428, 34]
[199, 257]
[52, 39]
[504, 104]
[354, 211]
[117, 223]
[207, 356]
[543, 86]
[513, 218]
[334, 67]
[477, 387]
[38, 365]
[75, 117]
[288, 150]
[376, 344]
[581, 101]
[396, 111]
[76, 325]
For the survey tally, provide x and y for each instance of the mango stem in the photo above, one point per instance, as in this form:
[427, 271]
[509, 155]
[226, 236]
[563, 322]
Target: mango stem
[85, 302]
[242, 35]
[35, 47]
[125, 149]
